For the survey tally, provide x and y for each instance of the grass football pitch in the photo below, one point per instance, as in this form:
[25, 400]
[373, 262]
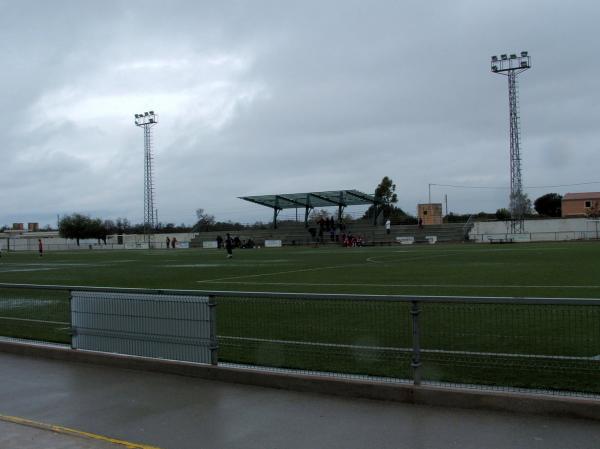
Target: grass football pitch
[362, 338]
[541, 269]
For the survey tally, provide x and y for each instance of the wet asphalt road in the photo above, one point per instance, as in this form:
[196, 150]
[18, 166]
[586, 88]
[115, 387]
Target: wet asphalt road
[175, 412]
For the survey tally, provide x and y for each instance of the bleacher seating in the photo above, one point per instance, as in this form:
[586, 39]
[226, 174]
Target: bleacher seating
[297, 234]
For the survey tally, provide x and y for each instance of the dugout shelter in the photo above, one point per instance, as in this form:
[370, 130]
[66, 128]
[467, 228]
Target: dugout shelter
[309, 200]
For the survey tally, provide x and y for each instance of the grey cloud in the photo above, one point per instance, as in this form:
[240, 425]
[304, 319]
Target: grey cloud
[343, 93]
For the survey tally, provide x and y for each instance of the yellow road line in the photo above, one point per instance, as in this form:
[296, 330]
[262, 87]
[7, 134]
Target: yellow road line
[73, 432]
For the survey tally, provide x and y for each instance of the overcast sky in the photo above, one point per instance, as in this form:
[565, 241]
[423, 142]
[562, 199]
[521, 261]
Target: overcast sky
[262, 97]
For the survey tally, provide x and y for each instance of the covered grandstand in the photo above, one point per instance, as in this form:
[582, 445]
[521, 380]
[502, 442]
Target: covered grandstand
[309, 200]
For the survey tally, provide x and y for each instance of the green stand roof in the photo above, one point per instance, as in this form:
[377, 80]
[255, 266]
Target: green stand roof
[310, 200]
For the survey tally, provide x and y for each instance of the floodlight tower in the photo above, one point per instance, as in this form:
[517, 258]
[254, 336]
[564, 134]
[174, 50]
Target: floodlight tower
[511, 66]
[147, 120]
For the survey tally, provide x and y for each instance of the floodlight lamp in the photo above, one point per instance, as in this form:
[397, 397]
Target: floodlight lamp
[494, 58]
[494, 68]
[145, 113]
[524, 64]
[513, 56]
[151, 112]
[504, 56]
[524, 54]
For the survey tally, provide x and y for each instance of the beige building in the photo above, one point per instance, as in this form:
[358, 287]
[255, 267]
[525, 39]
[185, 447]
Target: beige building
[430, 213]
[580, 204]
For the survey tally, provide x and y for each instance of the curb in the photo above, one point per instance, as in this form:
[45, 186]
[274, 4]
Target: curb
[559, 406]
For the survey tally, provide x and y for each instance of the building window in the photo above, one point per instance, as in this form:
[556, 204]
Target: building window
[588, 204]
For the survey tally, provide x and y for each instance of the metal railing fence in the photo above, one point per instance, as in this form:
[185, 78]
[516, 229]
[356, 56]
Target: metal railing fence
[549, 345]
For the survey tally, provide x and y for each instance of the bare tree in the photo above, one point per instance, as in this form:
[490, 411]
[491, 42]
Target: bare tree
[205, 221]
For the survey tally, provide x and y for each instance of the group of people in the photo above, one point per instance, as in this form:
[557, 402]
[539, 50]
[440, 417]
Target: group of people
[235, 242]
[337, 233]
[327, 226]
[171, 243]
[351, 241]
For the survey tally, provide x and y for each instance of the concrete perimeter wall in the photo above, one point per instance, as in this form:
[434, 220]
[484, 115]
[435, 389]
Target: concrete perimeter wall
[28, 241]
[555, 229]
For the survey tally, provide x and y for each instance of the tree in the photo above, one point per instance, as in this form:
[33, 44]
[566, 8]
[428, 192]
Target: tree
[456, 218]
[101, 229]
[95, 229]
[319, 214]
[549, 205]
[205, 222]
[110, 227]
[77, 226]
[503, 214]
[385, 193]
[522, 203]
[594, 210]
[122, 226]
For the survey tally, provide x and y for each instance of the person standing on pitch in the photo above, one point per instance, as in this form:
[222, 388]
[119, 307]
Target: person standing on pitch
[388, 226]
[168, 242]
[229, 246]
[40, 247]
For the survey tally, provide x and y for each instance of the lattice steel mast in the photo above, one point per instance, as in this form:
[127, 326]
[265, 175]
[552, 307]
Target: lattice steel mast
[146, 121]
[511, 66]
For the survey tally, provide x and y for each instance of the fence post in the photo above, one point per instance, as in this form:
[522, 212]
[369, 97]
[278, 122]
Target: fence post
[72, 330]
[214, 344]
[416, 343]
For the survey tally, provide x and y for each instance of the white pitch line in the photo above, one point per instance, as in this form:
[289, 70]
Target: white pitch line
[311, 284]
[16, 270]
[272, 274]
[51, 264]
[450, 252]
[401, 349]
[409, 259]
[476, 250]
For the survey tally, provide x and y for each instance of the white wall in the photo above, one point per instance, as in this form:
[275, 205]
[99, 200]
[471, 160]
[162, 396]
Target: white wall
[52, 242]
[539, 230]
[159, 240]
